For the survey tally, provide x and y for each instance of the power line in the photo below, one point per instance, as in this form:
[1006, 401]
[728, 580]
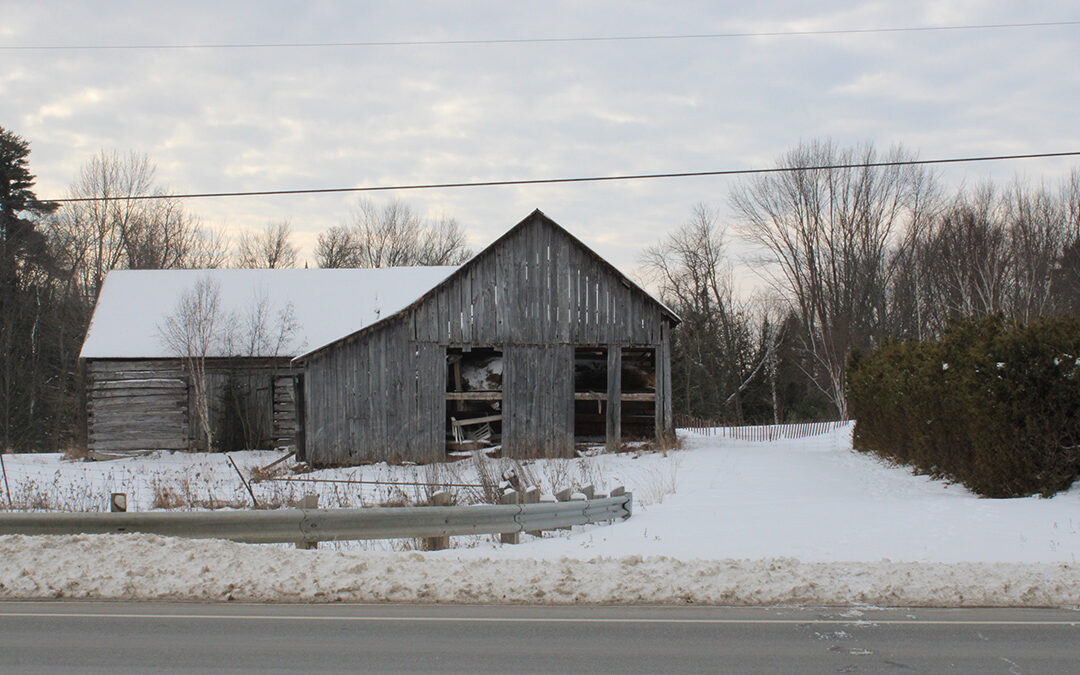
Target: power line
[579, 179]
[550, 40]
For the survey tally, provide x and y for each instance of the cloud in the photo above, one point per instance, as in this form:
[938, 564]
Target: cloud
[223, 120]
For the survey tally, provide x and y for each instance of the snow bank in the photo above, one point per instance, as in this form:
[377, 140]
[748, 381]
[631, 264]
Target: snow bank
[805, 521]
[152, 567]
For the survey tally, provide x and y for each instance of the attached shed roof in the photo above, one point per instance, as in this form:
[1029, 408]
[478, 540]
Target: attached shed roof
[327, 303]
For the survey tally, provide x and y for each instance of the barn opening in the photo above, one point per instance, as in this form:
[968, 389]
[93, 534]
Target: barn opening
[474, 393]
[590, 394]
[638, 393]
[614, 394]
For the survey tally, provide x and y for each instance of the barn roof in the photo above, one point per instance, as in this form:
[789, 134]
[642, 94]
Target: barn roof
[327, 303]
[536, 215]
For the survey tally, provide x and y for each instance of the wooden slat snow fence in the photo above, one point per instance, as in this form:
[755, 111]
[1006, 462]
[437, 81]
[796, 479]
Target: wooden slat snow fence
[762, 432]
[306, 526]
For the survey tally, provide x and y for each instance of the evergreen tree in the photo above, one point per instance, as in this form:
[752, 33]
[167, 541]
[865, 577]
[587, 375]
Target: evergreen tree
[24, 282]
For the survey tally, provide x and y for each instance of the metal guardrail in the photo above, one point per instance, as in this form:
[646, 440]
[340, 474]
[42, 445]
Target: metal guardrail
[314, 525]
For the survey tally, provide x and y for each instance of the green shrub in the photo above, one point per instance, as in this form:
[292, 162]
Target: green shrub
[991, 405]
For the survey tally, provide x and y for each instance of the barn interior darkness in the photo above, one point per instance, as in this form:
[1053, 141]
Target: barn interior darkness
[638, 393]
[474, 395]
[591, 393]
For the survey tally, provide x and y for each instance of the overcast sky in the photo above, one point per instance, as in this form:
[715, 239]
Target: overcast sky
[284, 118]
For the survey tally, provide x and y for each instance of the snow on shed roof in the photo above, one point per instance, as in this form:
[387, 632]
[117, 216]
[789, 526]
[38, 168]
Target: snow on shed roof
[327, 303]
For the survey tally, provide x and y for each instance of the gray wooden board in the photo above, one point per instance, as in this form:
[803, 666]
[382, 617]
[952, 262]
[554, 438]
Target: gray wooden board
[535, 296]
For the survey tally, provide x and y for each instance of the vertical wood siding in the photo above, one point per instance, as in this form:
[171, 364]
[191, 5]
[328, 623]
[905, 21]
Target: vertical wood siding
[538, 395]
[377, 399]
[535, 295]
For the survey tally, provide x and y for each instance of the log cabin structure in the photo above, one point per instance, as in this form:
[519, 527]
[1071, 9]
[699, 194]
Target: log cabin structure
[140, 392]
[535, 343]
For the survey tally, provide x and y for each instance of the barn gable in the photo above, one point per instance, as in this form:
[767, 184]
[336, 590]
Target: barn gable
[465, 307]
[536, 304]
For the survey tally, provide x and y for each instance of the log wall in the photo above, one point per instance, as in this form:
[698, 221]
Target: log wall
[136, 405]
[147, 404]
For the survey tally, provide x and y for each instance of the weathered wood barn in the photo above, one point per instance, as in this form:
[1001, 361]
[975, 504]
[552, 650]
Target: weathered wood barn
[534, 343]
[139, 390]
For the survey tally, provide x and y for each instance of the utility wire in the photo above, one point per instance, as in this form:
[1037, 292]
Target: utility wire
[580, 179]
[550, 40]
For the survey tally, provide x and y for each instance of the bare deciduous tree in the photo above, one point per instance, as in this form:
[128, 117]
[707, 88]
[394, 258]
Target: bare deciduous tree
[995, 251]
[269, 248]
[713, 343]
[193, 332]
[1066, 276]
[964, 260]
[391, 236]
[832, 234]
[262, 330]
[235, 409]
[336, 248]
[115, 231]
[245, 417]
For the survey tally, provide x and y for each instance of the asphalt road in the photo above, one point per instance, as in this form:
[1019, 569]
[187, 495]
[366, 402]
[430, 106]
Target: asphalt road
[114, 637]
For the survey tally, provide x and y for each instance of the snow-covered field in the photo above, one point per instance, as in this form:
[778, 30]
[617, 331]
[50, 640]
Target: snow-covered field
[719, 521]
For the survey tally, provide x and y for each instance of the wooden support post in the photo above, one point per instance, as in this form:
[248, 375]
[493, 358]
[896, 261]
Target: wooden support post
[308, 502]
[589, 491]
[532, 496]
[510, 537]
[563, 496]
[441, 498]
[118, 502]
[665, 428]
[614, 397]
[459, 405]
[301, 418]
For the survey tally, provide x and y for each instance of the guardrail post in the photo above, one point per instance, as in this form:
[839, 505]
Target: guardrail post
[510, 497]
[308, 502]
[532, 496]
[589, 491]
[441, 498]
[118, 502]
[563, 496]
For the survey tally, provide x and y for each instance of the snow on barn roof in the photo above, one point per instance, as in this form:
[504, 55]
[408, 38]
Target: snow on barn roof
[327, 304]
